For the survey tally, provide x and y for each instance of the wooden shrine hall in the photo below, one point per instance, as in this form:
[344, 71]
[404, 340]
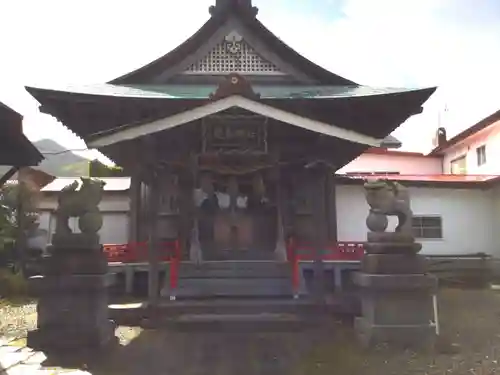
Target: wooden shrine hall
[232, 140]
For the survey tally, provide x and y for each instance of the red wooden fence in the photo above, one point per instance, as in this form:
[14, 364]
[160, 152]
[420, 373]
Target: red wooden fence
[340, 251]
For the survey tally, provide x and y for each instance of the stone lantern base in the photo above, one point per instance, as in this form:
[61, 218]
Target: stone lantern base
[396, 301]
[73, 299]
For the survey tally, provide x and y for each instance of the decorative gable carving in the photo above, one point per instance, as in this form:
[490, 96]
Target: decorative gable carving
[233, 55]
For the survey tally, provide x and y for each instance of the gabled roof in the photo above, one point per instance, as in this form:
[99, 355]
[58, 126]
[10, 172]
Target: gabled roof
[235, 101]
[15, 149]
[165, 90]
[483, 124]
[245, 14]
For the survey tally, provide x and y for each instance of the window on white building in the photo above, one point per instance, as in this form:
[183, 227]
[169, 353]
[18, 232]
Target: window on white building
[481, 155]
[427, 227]
[459, 165]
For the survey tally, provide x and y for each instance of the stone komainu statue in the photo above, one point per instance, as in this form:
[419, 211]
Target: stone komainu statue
[82, 203]
[388, 198]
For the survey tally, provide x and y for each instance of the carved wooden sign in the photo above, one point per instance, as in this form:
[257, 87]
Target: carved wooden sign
[235, 134]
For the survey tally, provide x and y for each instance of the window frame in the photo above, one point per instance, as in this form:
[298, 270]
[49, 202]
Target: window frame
[481, 155]
[452, 162]
[426, 228]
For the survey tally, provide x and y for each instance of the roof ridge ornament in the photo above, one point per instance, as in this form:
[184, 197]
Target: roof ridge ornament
[244, 6]
[234, 84]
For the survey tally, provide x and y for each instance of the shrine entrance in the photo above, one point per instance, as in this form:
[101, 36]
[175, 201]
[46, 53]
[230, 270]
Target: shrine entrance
[236, 216]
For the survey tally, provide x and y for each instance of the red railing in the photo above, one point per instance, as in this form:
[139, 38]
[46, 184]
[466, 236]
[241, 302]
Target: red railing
[138, 252]
[168, 251]
[296, 252]
[340, 251]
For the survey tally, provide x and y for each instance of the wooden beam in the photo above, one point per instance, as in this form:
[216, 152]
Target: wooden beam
[131, 132]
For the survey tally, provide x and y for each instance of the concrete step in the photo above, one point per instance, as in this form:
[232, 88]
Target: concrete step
[233, 269]
[230, 287]
[231, 278]
[236, 322]
[236, 306]
[302, 308]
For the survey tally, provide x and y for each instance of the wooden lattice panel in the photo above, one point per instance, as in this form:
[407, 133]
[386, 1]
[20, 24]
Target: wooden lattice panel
[233, 55]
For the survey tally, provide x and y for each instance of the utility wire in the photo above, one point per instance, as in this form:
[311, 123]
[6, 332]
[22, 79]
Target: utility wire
[65, 151]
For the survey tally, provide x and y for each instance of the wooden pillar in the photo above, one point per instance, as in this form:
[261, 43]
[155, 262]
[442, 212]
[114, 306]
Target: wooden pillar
[153, 256]
[195, 253]
[185, 212]
[331, 207]
[318, 179]
[135, 207]
[281, 199]
[21, 240]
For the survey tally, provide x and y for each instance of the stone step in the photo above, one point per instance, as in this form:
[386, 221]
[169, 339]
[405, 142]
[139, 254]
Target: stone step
[226, 287]
[305, 308]
[237, 322]
[233, 269]
[236, 306]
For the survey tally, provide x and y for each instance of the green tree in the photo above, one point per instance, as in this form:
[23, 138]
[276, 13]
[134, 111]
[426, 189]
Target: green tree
[18, 216]
[98, 169]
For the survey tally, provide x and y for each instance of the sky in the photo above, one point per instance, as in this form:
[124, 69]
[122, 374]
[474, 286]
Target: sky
[451, 44]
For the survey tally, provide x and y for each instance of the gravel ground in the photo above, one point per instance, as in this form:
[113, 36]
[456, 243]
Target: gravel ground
[17, 317]
[469, 318]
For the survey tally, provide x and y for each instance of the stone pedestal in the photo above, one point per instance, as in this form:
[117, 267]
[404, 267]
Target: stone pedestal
[396, 301]
[73, 300]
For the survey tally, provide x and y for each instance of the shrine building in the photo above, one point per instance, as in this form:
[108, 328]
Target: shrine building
[231, 141]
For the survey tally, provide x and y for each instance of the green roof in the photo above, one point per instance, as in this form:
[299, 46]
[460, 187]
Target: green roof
[204, 91]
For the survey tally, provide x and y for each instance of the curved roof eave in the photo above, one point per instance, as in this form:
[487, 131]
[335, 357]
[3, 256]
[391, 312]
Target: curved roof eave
[196, 41]
[19, 151]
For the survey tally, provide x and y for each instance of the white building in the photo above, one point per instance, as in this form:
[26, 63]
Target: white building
[114, 207]
[452, 217]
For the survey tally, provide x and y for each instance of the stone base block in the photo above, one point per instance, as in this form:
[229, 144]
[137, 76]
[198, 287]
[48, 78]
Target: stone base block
[388, 264]
[69, 284]
[75, 261]
[72, 313]
[75, 241]
[394, 283]
[390, 237]
[63, 338]
[415, 336]
[392, 248]
[400, 308]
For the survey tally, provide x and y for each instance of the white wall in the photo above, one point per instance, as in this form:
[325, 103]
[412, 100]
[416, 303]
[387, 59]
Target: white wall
[404, 164]
[495, 193]
[489, 137]
[468, 217]
[111, 202]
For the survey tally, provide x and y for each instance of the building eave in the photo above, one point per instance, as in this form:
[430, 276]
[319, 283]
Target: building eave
[376, 113]
[432, 181]
[15, 148]
[469, 132]
[131, 132]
